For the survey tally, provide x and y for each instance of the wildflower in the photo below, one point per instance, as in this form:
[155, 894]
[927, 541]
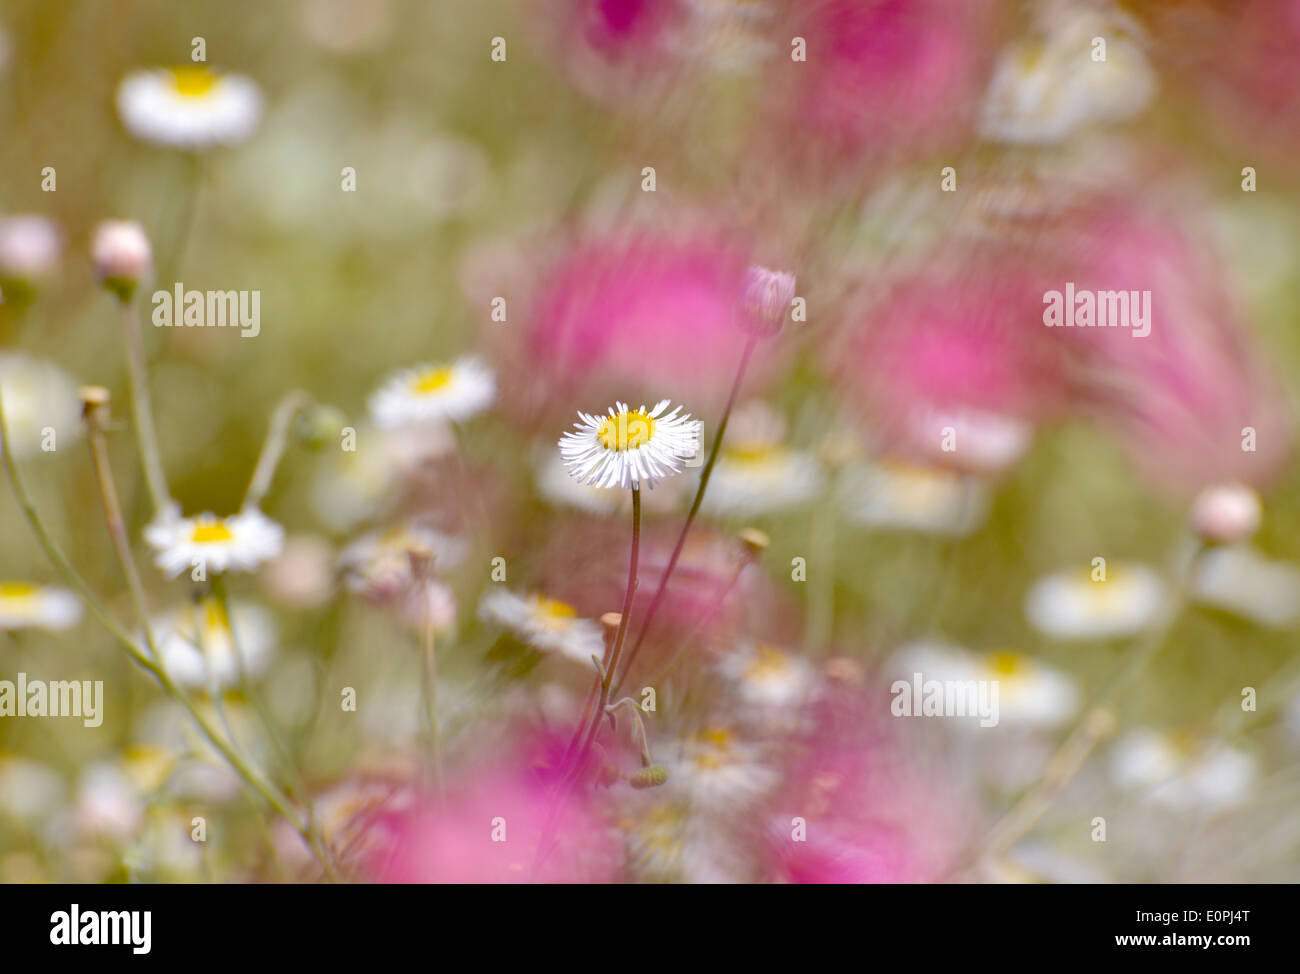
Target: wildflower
[27, 606]
[1240, 580]
[546, 624]
[1182, 770]
[1039, 94]
[29, 254]
[190, 107]
[41, 407]
[450, 392]
[122, 256]
[1226, 513]
[197, 643]
[238, 543]
[628, 447]
[765, 676]
[895, 495]
[766, 299]
[756, 472]
[1081, 605]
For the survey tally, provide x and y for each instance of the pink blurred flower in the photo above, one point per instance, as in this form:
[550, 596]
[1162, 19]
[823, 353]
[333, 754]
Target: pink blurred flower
[1182, 396]
[489, 829]
[633, 317]
[613, 50]
[881, 75]
[871, 812]
[958, 346]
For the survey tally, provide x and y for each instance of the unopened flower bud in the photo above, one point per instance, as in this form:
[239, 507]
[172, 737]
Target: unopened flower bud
[766, 299]
[1226, 513]
[122, 256]
[651, 777]
[319, 426]
[755, 541]
[29, 254]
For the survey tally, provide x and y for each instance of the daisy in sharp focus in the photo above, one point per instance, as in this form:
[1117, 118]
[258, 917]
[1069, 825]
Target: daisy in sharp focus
[451, 392]
[191, 107]
[630, 447]
[27, 606]
[546, 624]
[1072, 605]
[238, 543]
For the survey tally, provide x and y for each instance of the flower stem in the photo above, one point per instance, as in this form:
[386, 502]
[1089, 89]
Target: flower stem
[277, 439]
[705, 473]
[606, 679]
[430, 674]
[149, 659]
[142, 409]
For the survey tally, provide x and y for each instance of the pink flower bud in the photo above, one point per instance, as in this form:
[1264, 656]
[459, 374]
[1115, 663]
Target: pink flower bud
[29, 251]
[122, 256]
[767, 297]
[1226, 513]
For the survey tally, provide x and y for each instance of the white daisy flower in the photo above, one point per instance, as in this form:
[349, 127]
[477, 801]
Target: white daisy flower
[1180, 770]
[27, 606]
[545, 624]
[434, 393]
[39, 398]
[197, 644]
[718, 770]
[767, 677]
[378, 564]
[238, 543]
[191, 107]
[1045, 89]
[1241, 580]
[1070, 605]
[1030, 693]
[982, 442]
[756, 472]
[629, 447]
[108, 803]
[893, 495]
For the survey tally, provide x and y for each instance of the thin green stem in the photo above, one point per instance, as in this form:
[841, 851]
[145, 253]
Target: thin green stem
[277, 440]
[705, 473]
[430, 679]
[142, 409]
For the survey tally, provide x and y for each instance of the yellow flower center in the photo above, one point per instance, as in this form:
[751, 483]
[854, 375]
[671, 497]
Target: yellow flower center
[750, 452]
[626, 431]
[17, 591]
[768, 664]
[1005, 663]
[553, 614]
[193, 81]
[211, 532]
[432, 380]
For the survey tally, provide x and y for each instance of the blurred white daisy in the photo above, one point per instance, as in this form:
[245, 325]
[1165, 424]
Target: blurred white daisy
[1182, 770]
[41, 407]
[450, 392]
[1070, 605]
[1046, 88]
[108, 803]
[27, 606]
[630, 447]
[893, 495]
[756, 472]
[1243, 581]
[982, 441]
[716, 769]
[191, 107]
[378, 564]
[197, 644]
[545, 624]
[765, 676]
[1030, 693]
[238, 543]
